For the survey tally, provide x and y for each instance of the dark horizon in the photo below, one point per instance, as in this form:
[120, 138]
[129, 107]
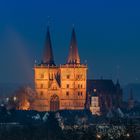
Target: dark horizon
[107, 33]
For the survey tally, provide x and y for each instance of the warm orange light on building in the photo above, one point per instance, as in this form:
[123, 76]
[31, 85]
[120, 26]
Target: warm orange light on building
[60, 87]
[24, 105]
[95, 107]
[69, 92]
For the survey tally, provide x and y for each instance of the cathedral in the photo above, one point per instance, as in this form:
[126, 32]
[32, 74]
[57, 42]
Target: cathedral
[66, 87]
[60, 87]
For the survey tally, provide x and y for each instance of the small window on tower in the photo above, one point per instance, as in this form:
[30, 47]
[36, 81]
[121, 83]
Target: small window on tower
[67, 85]
[78, 86]
[68, 76]
[41, 93]
[42, 76]
[78, 76]
[51, 76]
[41, 86]
[67, 93]
[78, 93]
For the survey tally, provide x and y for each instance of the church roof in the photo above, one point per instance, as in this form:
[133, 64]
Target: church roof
[101, 85]
[73, 57]
[48, 58]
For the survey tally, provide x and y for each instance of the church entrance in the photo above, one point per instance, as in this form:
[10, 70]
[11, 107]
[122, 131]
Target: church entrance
[54, 103]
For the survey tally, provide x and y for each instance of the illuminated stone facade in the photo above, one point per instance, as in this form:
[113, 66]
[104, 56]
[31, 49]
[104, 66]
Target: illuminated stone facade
[95, 106]
[60, 87]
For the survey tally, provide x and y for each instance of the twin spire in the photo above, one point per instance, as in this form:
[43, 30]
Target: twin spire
[73, 57]
[48, 58]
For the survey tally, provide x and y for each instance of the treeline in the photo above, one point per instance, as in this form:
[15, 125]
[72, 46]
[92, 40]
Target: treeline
[50, 130]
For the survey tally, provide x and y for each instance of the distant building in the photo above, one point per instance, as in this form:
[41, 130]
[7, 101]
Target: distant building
[131, 100]
[95, 105]
[60, 87]
[108, 93]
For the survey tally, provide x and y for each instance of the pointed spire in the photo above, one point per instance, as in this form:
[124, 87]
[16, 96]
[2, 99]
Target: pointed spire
[48, 58]
[73, 57]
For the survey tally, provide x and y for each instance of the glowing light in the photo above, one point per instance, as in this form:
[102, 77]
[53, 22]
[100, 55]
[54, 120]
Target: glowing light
[2, 105]
[95, 90]
[26, 106]
[127, 135]
[98, 136]
[15, 98]
[7, 99]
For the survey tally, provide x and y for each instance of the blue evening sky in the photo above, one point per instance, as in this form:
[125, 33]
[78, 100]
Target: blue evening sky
[108, 35]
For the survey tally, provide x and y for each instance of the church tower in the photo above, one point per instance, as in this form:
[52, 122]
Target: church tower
[73, 78]
[46, 79]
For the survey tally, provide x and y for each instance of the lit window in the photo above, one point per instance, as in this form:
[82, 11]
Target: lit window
[51, 76]
[94, 90]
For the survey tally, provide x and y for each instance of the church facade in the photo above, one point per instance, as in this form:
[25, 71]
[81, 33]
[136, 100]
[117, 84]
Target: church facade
[60, 87]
